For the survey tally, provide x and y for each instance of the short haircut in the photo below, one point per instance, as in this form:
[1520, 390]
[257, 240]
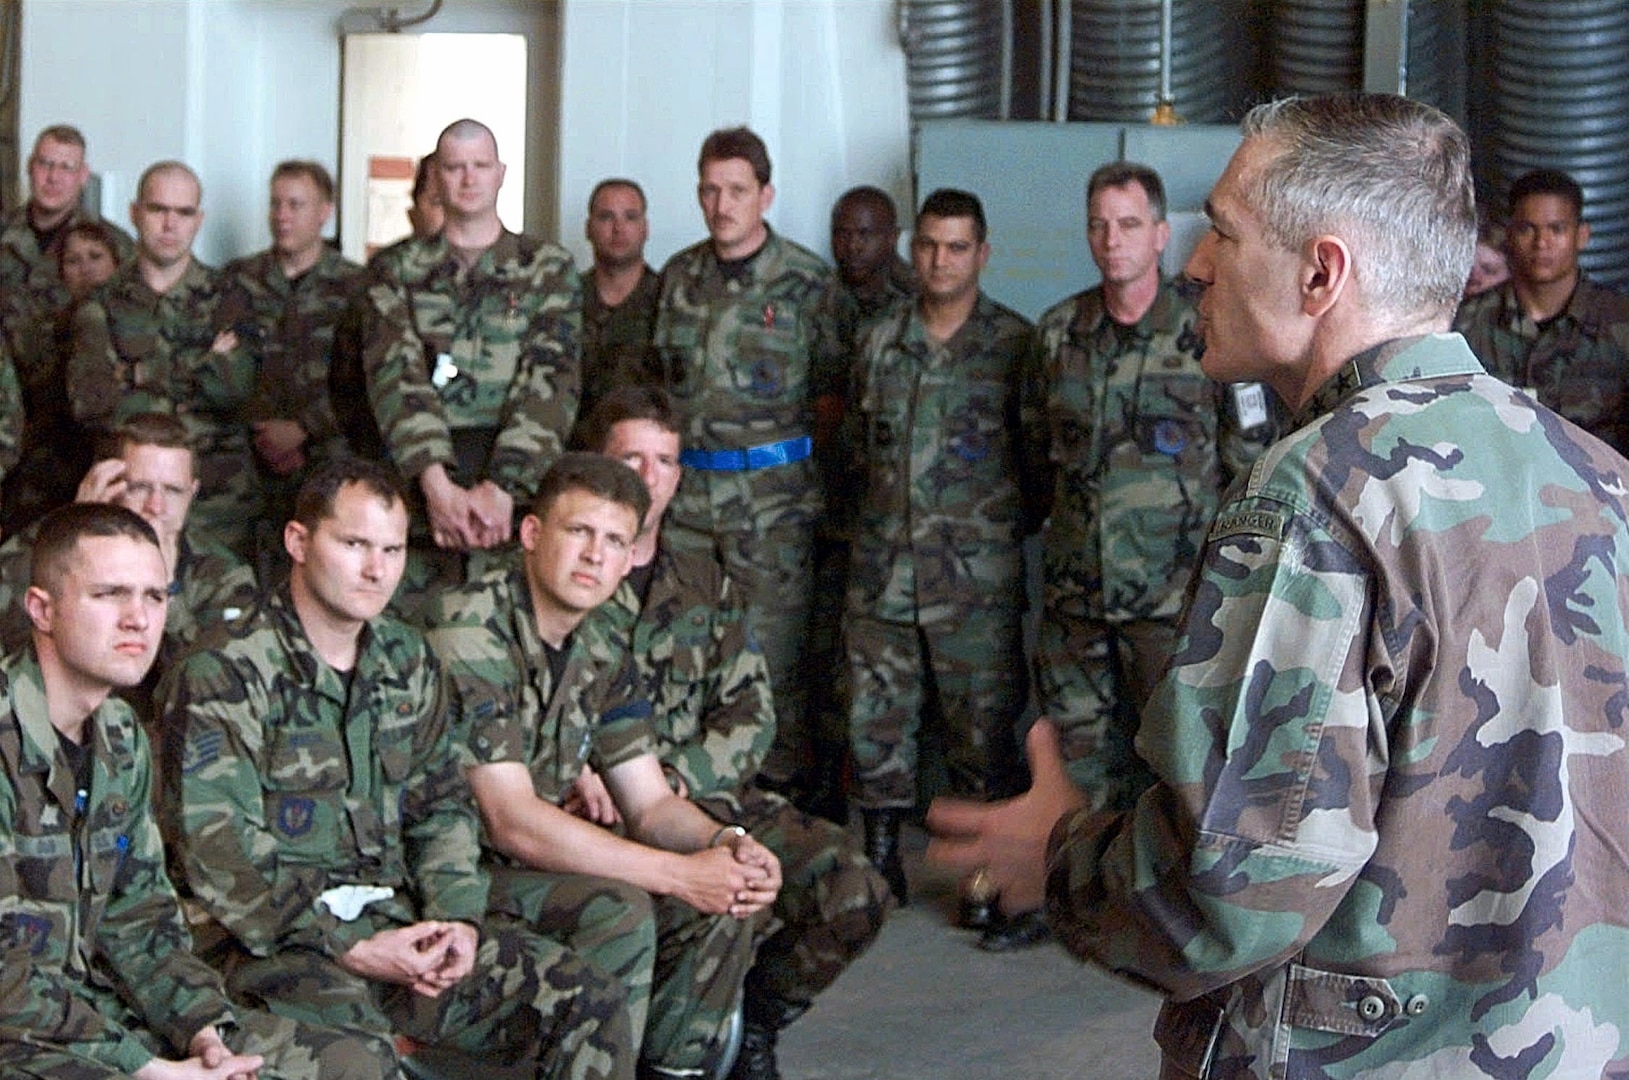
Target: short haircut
[616, 182]
[953, 203]
[1119, 174]
[467, 129]
[1548, 182]
[726, 144]
[422, 175]
[147, 429]
[315, 501]
[60, 532]
[1388, 175]
[62, 133]
[625, 403]
[99, 231]
[310, 170]
[596, 474]
[167, 166]
[865, 193]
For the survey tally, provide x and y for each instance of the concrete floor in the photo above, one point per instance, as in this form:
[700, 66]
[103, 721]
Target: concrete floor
[924, 1004]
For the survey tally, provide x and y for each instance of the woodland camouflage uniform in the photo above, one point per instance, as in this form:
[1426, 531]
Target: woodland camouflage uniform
[936, 587]
[136, 351]
[1387, 838]
[292, 337]
[1576, 363]
[476, 370]
[99, 975]
[617, 340]
[744, 351]
[38, 426]
[713, 719]
[1141, 445]
[682, 969]
[288, 779]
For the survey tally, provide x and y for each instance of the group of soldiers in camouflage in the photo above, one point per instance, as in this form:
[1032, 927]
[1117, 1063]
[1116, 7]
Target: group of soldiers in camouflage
[549, 819]
[485, 841]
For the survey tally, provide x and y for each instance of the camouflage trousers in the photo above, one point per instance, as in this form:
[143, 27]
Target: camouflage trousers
[823, 653]
[1093, 678]
[293, 1051]
[832, 902]
[528, 999]
[681, 970]
[961, 669]
[774, 568]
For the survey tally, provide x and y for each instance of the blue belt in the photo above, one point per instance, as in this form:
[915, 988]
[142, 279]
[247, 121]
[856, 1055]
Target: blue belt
[766, 456]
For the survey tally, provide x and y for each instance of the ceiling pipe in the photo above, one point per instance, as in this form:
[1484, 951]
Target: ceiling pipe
[390, 20]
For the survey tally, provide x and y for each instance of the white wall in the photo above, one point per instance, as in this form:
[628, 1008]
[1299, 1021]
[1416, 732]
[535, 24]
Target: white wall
[234, 86]
[644, 81]
[229, 86]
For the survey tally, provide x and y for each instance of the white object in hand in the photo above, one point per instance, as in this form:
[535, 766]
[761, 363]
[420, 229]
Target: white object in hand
[349, 901]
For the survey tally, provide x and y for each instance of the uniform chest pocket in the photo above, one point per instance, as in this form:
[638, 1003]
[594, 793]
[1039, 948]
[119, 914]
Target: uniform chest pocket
[394, 741]
[975, 421]
[304, 784]
[1072, 415]
[769, 362]
[109, 843]
[305, 758]
[1176, 415]
[886, 403]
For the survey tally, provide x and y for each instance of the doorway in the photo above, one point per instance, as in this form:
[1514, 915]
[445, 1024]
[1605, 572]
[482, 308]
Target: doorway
[399, 91]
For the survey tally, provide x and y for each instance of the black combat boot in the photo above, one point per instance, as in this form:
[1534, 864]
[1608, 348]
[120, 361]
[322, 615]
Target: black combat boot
[764, 1015]
[882, 848]
[1009, 933]
[823, 792]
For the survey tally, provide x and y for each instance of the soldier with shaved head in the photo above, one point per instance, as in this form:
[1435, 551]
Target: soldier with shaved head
[471, 356]
[155, 339]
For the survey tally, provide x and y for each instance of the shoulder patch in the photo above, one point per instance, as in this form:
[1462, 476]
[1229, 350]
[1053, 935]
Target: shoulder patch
[1268, 523]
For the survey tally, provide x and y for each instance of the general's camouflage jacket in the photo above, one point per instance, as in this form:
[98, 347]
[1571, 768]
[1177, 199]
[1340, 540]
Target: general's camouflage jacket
[713, 716]
[137, 351]
[1577, 363]
[288, 327]
[281, 782]
[1388, 835]
[745, 360]
[1141, 444]
[84, 901]
[495, 348]
[945, 437]
[507, 704]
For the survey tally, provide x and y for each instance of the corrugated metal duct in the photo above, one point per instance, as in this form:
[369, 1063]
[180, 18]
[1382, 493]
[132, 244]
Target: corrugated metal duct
[1317, 48]
[1114, 59]
[1561, 101]
[956, 58]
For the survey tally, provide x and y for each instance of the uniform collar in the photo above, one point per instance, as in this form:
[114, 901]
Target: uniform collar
[1404, 359]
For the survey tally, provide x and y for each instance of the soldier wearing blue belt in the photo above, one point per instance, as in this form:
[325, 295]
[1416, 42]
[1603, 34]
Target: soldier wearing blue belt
[743, 348]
